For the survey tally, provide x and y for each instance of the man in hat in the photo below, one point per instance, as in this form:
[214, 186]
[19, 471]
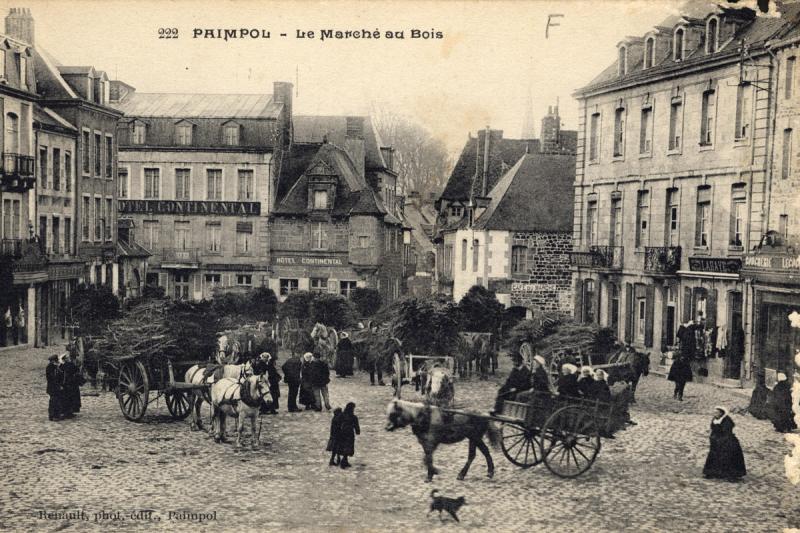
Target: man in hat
[291, 375]
[518, 380]
[55, 382]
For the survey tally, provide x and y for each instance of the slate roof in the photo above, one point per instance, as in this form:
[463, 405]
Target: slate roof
[756, 33]
[315, 129]
[536, 194]
[48, 117]
[179, 105]
[420, 219]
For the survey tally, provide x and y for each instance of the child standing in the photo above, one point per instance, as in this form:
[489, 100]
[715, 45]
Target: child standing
[334, 437]
[348, 429]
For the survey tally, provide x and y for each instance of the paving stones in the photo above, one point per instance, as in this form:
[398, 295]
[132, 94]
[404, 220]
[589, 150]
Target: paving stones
[647, 479]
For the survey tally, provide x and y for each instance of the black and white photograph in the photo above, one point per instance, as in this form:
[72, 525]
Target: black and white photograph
[425, 265]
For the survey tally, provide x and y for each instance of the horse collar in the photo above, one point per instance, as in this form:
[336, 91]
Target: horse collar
[247, 398]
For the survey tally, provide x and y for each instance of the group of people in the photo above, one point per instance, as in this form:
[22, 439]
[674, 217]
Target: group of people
[306, 378]
[342, 439]
[64, 380]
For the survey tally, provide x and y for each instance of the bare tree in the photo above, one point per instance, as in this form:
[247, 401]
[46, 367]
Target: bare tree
[420, 160]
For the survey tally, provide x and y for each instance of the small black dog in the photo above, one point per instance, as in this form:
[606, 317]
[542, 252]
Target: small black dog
[442, 503]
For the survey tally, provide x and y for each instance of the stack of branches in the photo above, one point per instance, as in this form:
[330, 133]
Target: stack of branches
[574, 339]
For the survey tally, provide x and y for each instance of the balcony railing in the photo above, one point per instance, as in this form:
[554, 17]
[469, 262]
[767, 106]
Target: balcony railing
[662, 259]
[18, 172]
[180, 257]
[11, 247]
[600, 257]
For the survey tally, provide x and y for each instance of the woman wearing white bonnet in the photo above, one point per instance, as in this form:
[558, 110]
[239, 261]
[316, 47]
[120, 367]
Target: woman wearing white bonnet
[779, 405]
[725, 459]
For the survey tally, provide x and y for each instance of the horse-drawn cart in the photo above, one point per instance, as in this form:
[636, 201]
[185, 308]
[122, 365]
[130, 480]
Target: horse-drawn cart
[139, 376]
[562, 432]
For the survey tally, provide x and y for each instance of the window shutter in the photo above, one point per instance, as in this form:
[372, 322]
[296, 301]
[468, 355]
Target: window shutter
[596, 303]
[649, 308]
[579, 300]
[687, 304]
[628, 312]
[711, 308]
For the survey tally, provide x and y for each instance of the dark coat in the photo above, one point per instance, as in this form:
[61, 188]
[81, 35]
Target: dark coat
[291, 370]
[687, 340]
[602, 391]
[539, 380]
[586, 387]
[259, 366]
[334, 433]
[320, 373]
[518, 379]
[568, 385]
[780, 407]
[725, 458]
[348, 429]
[72, 387]
[55, 379]
[680, 371]
[274, 378]
[306, 395]
[344, 358]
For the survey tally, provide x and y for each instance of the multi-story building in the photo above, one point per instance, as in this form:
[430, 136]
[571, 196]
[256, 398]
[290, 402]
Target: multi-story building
[419, 215]
[196, 181]
[672, 175]
[336, 224]
[23, 267]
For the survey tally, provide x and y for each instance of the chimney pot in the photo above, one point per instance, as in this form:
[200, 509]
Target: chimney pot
[19, 25]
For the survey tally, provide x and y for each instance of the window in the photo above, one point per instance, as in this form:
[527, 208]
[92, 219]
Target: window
[231, 135]
[43, 240]
[139, 132]
[43, 166]
[319, 236]
[789, 84]
[98, 219]
[320, 199]
[183, 235]
[318, 285]
[246, 191]
[712, 35]
[67, 235]
[588, 301]
[519, 259]
[56, 240]
[678, 42]
[244, 238]
[56, 169]
[707, 116]
[456, 211]
[214, 184]
[591, 222]
[288, 285]
[213, 237]
[475, 254]
[786, 160]
[151, 230]
[738, 215]
[463, 254]
[244, 280]
[646, 131]
[182, 184]
[649, 52]
[703, 219]
[594, 136]
[616, 222]
[67, 171]
[346, 288]
[98, 153]
[363, 241]
[623, 61]
[122, 182]
[619, 132]
[109, 212]
[184, 134]
[448, 260]
[743, 110]
[85, 218]
[152, 183]
[87, 157]
[109, 157]
[613, 312]
[23, 72]
[641, 318]
[181, 286]
[642, 217]
[783, 226]
[671, 222]
[212, 282]
[675, 124]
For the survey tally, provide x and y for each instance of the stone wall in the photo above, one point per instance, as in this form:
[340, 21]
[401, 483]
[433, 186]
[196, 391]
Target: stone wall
[547, 283]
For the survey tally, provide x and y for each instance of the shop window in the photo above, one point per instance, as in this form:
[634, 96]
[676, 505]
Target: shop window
[288, 285]
[318, 285]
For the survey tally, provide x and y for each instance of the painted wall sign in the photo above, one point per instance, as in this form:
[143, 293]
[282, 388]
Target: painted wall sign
[766, 262]
[723, 265]
[299, 260]
[188, 207]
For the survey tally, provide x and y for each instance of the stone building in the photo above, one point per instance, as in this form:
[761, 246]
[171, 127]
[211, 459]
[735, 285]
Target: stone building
[336, 224]
[672, 175]
[196, 182]
[420, 257]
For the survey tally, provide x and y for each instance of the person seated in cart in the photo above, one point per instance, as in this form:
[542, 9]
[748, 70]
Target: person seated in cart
[539, 382]
[567, 384]
[518, 380]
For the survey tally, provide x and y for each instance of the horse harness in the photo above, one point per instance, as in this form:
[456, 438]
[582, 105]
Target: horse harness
[229, 396]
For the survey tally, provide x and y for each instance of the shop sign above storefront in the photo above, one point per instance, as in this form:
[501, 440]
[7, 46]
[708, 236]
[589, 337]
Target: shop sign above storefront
[302, 260]
[721, 265]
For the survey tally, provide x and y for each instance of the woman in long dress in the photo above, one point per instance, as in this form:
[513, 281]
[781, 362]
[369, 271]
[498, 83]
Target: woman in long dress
[306, 387]
[344, 357]
[725, 458]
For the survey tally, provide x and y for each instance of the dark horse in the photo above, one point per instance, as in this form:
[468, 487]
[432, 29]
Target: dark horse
[434, 426]
[632, 366]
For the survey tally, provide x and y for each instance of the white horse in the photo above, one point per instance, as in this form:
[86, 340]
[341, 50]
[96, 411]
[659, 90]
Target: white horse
[239, 400]
[439, 389]
[228, 349]
[206, 376]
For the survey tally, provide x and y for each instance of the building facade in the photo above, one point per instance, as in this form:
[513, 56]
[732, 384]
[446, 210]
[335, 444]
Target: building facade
[196, 180]
[671, 184]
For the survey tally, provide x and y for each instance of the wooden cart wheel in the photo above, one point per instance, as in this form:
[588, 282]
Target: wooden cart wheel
[520, 445]
[178, 404]
[133, 389]
[570, 441]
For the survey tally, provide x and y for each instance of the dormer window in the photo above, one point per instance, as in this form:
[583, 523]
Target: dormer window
[623, 60]
[184, 133]
[677, 52]
[712, 35]
[230, 134]
[320, 199]
[139, 133]
[649, 52]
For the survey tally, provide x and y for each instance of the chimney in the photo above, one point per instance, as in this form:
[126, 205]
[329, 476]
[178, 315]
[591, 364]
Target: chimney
[19, 24]
[354, 143]
[282, 94]
[388, 156]
[487, 141]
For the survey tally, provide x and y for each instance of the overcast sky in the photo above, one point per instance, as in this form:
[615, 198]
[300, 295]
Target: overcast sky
[477, 75]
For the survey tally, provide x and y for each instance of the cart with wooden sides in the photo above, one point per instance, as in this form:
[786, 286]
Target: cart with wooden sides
[411, 368]
[563, 432]
[143, 380]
